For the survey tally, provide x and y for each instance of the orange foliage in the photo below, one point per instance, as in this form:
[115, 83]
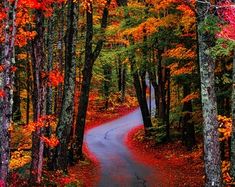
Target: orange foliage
[186, 69]
[43, 121]
[51, 141]
[225, 127]
[180, 52]
[190, 97]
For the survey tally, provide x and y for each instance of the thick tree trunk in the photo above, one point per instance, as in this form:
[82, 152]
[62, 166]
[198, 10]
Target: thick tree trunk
[67, 110]
[209, 105]
[232, 156]
[141, 98]
[38, 60]
[90, 58]
[140, 89]
[6, 84]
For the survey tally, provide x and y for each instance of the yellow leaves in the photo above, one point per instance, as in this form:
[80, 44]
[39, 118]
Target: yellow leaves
[225, 127]
[162, 4]
[225, 171]
[22, 56]
[180, 52]
[19, 158]
[186, 69]
[150, 26]
[190, 97]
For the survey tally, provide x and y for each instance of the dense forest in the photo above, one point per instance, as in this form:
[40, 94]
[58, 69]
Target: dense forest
[76, 75]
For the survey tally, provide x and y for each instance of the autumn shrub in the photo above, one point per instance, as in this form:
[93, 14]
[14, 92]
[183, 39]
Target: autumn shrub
[158, 131]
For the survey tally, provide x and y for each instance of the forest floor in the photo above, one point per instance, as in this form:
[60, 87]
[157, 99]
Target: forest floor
[181, 167]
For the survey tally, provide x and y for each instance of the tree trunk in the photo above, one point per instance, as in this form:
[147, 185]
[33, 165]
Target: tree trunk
[107, 71]
[140, 89]
[90, 58]
[6, 85]
[67, 110]
[16, 99]
[188, 132]
[232, 156]
[209, 105]
[60, 47]
[167, 101]
[38, 60]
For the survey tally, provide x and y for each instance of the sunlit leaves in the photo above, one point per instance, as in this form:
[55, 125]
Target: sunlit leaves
[225, 127]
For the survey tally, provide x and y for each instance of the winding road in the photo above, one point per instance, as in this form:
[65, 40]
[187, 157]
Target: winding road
[118, 166]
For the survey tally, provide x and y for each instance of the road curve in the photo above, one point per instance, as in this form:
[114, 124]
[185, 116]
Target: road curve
[118, 166]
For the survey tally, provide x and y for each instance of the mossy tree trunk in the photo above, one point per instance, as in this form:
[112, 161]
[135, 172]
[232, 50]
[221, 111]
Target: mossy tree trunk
[67, 110]
[6, 85]
[209, 105]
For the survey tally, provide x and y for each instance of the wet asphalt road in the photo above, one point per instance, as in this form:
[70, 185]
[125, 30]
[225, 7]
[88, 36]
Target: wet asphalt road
[118, 167]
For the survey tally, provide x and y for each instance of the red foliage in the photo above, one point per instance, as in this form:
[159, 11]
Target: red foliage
[55, 77]
[13, 69]
[43, 5]
[2, 93]
[1, 68]
[1, 183]
[51, 142]
[173, 165]
[227, 13]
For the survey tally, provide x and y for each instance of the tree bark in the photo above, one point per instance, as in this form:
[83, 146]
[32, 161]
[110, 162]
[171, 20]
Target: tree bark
[38, 60]
[209, 105]
[90, 58]
[140, 89]
[67, 110]
[232, 156]
[6, 85]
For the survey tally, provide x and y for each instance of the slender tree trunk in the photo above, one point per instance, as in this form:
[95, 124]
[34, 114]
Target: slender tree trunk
[16, 99]
[107, 69]
[188, 132]
[232, 156]
[29, 82]
[60, 47]
[38, 60]
[67, 110]
[49, 64]
[90, 58]
[6, 84]
[209, 105]
[121, 79]
[139, 85]
[167, 101]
